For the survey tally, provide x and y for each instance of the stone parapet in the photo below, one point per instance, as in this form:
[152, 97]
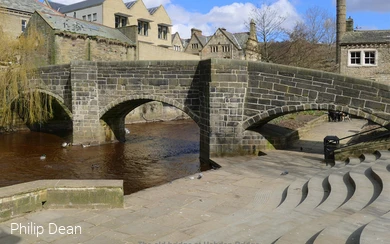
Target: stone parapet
[27, 197]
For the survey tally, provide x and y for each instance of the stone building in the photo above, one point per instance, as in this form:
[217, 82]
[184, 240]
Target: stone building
[177, 42]
[223, 44]
[153, 24]
[362, 53]
[68, 39]
[366, 54]
[15, 14]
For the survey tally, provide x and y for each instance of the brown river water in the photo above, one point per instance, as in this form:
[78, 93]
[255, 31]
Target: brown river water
[154, 154]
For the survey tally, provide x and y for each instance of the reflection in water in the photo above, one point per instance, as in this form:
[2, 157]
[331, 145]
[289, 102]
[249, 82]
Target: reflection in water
[154, 153]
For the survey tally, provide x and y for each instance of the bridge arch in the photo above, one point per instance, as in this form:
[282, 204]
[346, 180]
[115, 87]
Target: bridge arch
[114, 113]
[268, 115]
[122, 106]
[59, 99]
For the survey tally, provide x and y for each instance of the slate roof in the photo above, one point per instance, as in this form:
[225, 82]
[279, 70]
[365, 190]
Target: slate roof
[56, 6]
[28, 6]
[241, 38]
[366, 37]
[238, 39]
[72, 25]
[203, 39]
[153, 10]
[129, 5]
[80, 5]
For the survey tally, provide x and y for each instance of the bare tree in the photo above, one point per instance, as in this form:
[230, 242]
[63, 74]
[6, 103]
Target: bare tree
[309, 43]
[319, 26]
[269, 27]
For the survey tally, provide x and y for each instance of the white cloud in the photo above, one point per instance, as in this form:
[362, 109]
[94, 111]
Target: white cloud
[368, 5]
[233, 17]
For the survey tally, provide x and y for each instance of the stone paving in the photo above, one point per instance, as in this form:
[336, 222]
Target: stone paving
[228, 205]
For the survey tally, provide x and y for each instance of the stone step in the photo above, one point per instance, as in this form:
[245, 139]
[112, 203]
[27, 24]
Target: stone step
[274, 226]
[306, 231]
[349, 229]
[377, 231]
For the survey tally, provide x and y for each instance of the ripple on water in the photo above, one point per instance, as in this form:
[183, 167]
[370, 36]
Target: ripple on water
[154, 153]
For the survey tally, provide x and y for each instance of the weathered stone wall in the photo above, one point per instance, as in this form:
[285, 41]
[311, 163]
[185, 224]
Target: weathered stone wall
[55, 80]
[102, 50]
[379, 72]
[11, 22]
[68, 49]
[151, 52]
[48, 56]
[278, 89]
[81, 48]
[24, 198]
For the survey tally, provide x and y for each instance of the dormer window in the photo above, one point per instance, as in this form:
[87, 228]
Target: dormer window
[162, 32]
[120, 21]
[143, 28]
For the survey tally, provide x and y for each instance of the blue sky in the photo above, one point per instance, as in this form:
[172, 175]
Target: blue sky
[208, 15]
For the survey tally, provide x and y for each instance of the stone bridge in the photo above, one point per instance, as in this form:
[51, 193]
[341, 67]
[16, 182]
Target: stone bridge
[228, 99]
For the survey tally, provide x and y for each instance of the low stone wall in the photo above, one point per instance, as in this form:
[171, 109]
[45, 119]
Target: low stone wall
[44, 194]
[283, 141]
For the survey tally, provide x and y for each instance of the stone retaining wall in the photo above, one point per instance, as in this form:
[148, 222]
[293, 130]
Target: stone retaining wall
[43, 194]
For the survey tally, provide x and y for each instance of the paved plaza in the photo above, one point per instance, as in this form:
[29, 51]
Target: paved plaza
[249, 200]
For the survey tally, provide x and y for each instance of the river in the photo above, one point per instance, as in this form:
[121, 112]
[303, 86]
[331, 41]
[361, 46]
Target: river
[154, 154]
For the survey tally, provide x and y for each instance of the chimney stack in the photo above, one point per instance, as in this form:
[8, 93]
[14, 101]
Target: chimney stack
[349, 24]
[196, 31]
[341, 26]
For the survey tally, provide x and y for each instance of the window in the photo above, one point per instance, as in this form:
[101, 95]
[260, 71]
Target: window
[95, 17]
[214, 49]
[369, 57]
[84, 17]
[225, 48]
[120, 21]
[24, 24]
[162, 32]
[177, 48]
[195, 46]
[143, 28]
[362, 58]
[355, 58]
[89, 17]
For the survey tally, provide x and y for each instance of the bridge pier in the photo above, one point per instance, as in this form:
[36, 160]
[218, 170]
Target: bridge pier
[87, 126]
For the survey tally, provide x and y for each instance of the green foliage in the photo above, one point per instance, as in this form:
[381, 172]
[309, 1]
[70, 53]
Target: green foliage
[18, 60]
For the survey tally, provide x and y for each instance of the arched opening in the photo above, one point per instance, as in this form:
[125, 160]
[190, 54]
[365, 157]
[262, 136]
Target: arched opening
[114, 114]
[59, 122]
[304, 128]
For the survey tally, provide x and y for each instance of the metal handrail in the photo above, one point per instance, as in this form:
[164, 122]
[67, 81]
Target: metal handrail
[352, 144]
[360, 133]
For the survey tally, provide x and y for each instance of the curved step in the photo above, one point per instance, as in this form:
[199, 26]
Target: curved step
[296, 193]
[309, 230]
[377, 231]
[350, 228]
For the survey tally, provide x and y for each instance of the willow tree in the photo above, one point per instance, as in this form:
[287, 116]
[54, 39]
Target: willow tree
[18, 64]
